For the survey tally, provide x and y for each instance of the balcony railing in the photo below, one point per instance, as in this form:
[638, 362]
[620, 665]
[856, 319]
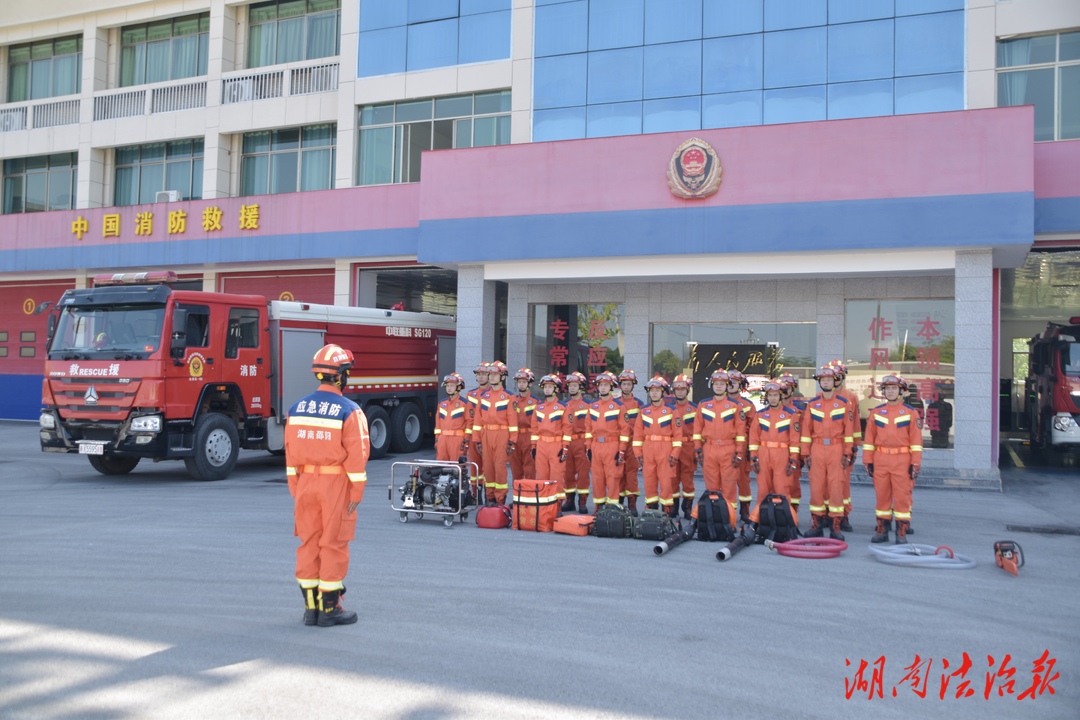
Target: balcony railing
[27, 116]
[263, 85]
[149, 101]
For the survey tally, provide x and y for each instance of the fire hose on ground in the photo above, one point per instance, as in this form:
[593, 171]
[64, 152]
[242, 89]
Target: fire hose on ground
[809, 548]
[941, 557]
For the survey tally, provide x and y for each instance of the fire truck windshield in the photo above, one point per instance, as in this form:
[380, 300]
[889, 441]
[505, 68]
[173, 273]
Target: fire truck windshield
[107, 332]
[1070, 358]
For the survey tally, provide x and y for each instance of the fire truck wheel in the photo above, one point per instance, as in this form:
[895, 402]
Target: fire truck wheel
[406, 428]
[217, 445]
[113, 464]
[379, 430]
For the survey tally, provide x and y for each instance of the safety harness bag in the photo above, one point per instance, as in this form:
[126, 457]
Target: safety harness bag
[613, 520]
[654, 525]
[535, 505]
[574, 524]
[712, 521]
[776, 522]
[493, 517]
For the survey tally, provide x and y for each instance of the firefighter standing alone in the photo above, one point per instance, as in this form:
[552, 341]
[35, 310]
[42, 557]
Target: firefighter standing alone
[326, 453]
[893, 455]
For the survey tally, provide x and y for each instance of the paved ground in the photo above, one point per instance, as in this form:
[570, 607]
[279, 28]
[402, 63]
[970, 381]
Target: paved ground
[154, 596]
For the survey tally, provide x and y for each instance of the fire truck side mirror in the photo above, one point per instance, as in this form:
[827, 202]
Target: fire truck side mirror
[50, 327]
[178, 340]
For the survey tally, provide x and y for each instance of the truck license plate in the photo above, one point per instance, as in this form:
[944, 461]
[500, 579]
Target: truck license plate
[91, 448]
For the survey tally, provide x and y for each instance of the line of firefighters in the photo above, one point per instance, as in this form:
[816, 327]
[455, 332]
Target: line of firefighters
[611, 437]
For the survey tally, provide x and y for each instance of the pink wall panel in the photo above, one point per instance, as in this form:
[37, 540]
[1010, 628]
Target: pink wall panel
[957, 153]
[1057, 169]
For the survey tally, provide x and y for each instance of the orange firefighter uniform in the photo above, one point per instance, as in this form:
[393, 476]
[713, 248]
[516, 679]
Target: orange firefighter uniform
[451, 425]
[472, 398]
[629, 487]
[774, 442]
[893, 448]
[522, 464]
[550, 437]
[607, 437]
[576, 472]
[685, 413]
[657, 442]
[720, 435]
[853, 402]
[743, 484]
[326, 454]
[496, 427]
[827, 436]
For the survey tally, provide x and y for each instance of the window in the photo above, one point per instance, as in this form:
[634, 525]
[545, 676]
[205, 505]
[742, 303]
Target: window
[164, 50]
[393, 136]
[197, 331]
[49, 68]
[398, 36]
[1043, 71]
[142, 171]
[36, 184]
[243, 331]
[576, 338]
[283, 161]
[285, 31]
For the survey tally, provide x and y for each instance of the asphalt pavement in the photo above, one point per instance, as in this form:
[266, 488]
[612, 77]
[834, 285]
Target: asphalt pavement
[156, 596]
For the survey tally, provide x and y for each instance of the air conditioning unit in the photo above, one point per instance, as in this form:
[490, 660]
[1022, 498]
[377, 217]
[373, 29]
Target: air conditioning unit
[12, 122]
[167, 196]
[239, 90]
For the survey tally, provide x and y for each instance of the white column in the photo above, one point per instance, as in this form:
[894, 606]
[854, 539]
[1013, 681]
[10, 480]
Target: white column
[347, 132]
[476, 319]
[976, 395]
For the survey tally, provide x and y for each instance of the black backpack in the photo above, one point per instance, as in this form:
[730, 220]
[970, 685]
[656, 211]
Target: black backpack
[655, 525]
[713, 523]
[776, 522]
[613, 520]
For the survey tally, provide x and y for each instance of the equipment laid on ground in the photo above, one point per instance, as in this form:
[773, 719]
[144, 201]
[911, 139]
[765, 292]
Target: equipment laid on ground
[924, 556]
[433, 486]
[536, 505]
[776, 521]
[574, 524]
[654, 525]
[613, 520]
[745, 538]
[712, 519]
[1009, 556]
[674, 540]
[809, 548]
[494, 517]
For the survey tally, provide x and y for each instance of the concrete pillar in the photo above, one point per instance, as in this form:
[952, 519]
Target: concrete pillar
[517, 326]
[343, 282]
[217, 163]
[975, 431]
[830, 320]
[90, 188]
[476, 319]
[636, 352]
[347, 120]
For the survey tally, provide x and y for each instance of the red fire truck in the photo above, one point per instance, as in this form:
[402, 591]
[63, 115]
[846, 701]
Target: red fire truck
[137, 369]
[1052, 388]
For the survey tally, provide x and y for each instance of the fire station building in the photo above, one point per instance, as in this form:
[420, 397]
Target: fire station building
[667, 186]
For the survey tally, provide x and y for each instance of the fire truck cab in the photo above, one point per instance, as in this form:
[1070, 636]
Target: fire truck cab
[1052, 387]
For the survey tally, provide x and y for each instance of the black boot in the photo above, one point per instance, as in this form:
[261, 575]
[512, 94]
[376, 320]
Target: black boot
[311, 609]
[909, 530]
[901, 532]
[330, 613]
[687, 507]
[817, 529]
[631, 505]
[744, 511]
[652, 506]
[568, 506]
[882, 533]
[672, 510]
[582, 504]
[834, 531]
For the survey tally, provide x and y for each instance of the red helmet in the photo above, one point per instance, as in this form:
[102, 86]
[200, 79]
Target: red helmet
[578, 378]
[605, 377]
[825, 372]
[524, 374]
[736, 376]
[554, 379]
[454, 378]
[681, 381]
[719, 376]
[657, 381]
[628, 375]
[498, 366]
[787, 381]
[893, 380]
[839, 367]
[770, 387]
[331, 360]
[482, 368]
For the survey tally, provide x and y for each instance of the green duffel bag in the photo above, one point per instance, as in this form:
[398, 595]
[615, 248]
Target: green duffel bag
[612, 520]
[654, 525]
